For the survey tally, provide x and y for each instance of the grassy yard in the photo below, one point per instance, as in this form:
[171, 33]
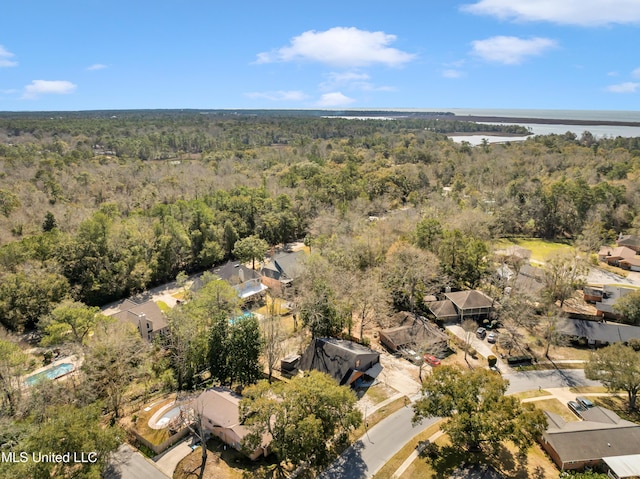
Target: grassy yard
[555, 406]
[378, 393]
[141, 425]
[164, 307]
[619, 405]
[541, 249]
[531, 394]
[222, 463]
[508, 462]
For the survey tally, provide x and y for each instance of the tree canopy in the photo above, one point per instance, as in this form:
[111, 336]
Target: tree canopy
[306, 417]
[618, 368]
[478, 413]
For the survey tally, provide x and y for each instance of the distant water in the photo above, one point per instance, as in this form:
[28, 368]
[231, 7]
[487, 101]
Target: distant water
[599, 131]
[592, 115]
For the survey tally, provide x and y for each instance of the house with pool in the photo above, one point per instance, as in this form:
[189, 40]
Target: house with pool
[219, 408]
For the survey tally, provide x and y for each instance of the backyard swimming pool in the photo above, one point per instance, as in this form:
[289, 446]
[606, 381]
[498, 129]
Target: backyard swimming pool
[53, 372]
[167, 417]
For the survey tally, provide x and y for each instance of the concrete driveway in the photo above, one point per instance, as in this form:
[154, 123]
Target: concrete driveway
[169, 460]
[481, 346]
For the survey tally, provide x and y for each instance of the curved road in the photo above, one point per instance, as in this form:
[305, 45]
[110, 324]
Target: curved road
[367, 455]
[372, 451]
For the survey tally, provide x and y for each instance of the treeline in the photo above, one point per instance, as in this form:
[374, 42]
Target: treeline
[112, 255]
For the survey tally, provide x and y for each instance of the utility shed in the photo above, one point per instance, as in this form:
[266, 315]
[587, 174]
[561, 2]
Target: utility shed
[343, 360]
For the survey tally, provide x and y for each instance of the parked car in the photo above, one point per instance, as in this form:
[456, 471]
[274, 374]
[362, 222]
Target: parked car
[431, 360]
[584, 401]
[576, 407]
[412, 356]
[492, 337]
[481, 333]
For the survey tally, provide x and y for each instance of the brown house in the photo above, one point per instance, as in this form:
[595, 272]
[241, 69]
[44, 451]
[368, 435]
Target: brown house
[630, 241]
[220, 415]
[575, 445]
[147, 317]
[471, 304]
[613, 256]
[414, 332]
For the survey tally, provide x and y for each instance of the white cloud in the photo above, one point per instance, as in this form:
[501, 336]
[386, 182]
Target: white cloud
[279, 95]
[96, 66]
[510, 50]
[45, 87]
[5, 58]
[334, 99]
[627, 87]
[636, 73]
[351, 80]
[568, 12]
[340, 46]
[451, 73]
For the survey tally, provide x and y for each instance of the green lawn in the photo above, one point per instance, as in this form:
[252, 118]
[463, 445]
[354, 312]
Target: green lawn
[541, 249]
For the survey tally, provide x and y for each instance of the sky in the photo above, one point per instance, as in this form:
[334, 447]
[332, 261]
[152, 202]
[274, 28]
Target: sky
[58, 55]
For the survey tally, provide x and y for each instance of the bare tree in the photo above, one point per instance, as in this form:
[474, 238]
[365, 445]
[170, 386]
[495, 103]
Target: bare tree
[470, 327]
[273, 336]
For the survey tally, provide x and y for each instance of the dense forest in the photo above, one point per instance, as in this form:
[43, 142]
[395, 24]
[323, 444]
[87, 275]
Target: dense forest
[98, 206]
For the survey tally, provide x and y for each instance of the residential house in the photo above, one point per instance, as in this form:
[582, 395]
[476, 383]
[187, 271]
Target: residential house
[444, 311]
[632, 264]
[610, 295]
[282, 269]
[575, 445]
[414, 332]
[343, 360]
[147, 317]
[219, 408]
[613, 256]
[471, 304]
[597, 333]
[630, 241]
[246, 281]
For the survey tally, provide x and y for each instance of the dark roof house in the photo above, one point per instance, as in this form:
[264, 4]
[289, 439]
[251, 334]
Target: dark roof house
[443, 310]
[630, 241]
[580, 444]
[246, 281]
[471, 304]
[283, 268]
[598, 333]
[414, 332]
[147, 317]
[343, 360]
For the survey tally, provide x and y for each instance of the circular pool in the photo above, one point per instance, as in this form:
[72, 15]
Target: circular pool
[167, 417]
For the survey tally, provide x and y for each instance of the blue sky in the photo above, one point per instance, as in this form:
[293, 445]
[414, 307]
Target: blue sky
[435, 54]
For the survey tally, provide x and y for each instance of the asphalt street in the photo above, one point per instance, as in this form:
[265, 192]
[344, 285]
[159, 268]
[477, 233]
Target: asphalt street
[126, 463]
[548, 378]
[366, 456]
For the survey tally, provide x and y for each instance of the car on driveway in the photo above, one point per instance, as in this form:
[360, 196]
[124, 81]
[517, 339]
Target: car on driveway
[481, 333]
[431, 360]
[412, 356]
[492, 337]
[577, 408]
[584, 402]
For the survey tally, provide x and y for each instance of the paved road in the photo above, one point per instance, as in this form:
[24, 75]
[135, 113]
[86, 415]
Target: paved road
[548, 378]
[126, 463]
[366, 456]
